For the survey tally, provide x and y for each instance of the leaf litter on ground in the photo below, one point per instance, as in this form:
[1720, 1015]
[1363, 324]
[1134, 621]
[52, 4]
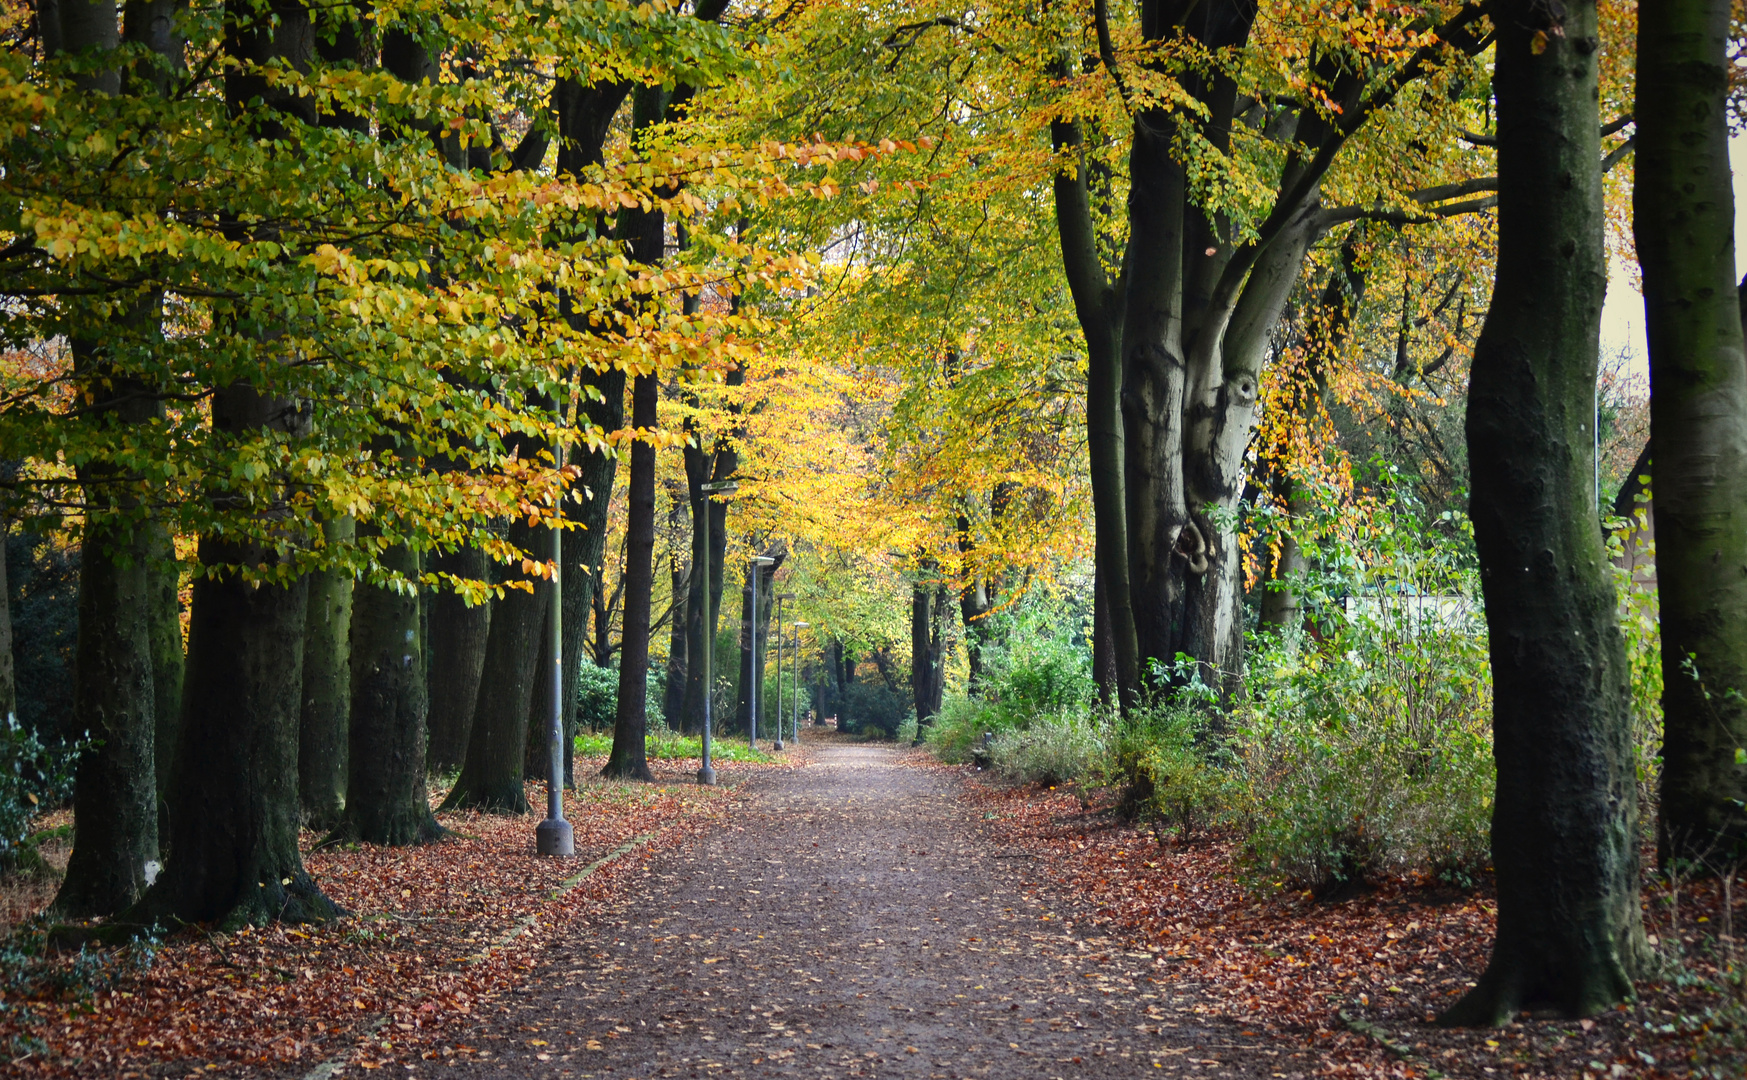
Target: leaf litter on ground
[1359, 980]
[432, 932]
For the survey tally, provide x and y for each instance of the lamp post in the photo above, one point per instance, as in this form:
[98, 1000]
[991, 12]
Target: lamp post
[753, 667]
[795, 662]
[780, 597]
[554, 835]
[707, 774]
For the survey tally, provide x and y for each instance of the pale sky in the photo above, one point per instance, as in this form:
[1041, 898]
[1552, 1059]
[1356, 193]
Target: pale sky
[1622, 317]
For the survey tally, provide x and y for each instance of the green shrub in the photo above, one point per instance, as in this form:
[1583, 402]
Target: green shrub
[907, 730]
[33, 777]
[1052, 749]
[873, 709]
[1367, 748]
[597, 696]
[1172, 771]
[959, 726]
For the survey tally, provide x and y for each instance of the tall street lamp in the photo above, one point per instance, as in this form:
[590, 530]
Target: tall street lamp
[780, 597]
[753, 667]
[795, 658]
[724, 488]
[554, 836]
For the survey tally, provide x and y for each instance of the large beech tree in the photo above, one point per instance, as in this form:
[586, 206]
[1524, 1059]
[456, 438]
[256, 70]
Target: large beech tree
[1683, 218]
[1565, 819]
[1177, 335]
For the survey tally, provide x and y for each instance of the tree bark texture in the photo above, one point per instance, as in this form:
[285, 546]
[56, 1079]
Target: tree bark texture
[491, 774]
[585, 548]
[164, 626]
[386, 801]
[321, 729]
[115, 812]
[628, 760]
[1683, 213]
[458, 635]
[1564, 826]
[234, 810]
[8, 674]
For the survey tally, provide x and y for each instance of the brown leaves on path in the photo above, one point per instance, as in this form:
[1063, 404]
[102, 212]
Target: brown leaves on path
[433, 930]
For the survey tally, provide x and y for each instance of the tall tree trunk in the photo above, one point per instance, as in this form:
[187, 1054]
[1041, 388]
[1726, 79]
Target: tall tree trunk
[491, 773]
[926, 601]
[1564, 824]
[1099, 305]
[1683, 214]
[678, 659]
[584, 549]
[233, 807]
[386, 802]
[628, 760]
[164, 627]
[458, 635]
[115, 813]
[701, 621]
[321, 730]
[8, 673]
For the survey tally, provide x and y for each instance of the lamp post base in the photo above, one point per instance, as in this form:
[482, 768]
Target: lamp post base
[554, 837]
[777, 745]
[707, 776]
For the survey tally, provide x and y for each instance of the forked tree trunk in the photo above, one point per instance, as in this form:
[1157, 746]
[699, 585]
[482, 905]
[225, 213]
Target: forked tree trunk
[386, 801]
[1683, 213]
[321, 739]
[457, 640]
[491, 775]
[233, 808]
[1564, 823]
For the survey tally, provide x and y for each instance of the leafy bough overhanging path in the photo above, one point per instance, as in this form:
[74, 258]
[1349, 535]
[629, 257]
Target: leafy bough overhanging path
[853, 920]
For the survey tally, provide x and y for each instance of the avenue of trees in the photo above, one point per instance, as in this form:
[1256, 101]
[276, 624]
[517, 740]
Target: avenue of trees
[321, 323]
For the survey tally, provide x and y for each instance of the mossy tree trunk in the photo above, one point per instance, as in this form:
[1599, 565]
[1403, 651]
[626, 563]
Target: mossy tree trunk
[1683, 214]
[321, 728]
[164, 626]
[1564, 826]
[386, 801]
[115, 813]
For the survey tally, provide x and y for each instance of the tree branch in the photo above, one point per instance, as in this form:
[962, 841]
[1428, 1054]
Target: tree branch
[1107, 49]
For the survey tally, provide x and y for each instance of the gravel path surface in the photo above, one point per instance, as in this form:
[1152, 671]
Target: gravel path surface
[854, 921]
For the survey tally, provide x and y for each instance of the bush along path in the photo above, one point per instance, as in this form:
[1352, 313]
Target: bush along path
[853, 920]
[432, 932]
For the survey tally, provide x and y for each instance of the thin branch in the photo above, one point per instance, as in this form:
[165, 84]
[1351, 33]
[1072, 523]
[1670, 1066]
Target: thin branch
[1107, 49]
[1450, 191]
[1617, 155]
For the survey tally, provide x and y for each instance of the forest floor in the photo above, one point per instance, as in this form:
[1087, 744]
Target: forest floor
[855, 910]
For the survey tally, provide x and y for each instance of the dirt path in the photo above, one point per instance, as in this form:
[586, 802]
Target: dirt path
[854, 921]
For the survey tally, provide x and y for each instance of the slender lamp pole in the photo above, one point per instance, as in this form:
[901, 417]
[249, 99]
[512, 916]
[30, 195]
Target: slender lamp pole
[554, 835]
[795, 656]
[753, 667]
[707, 774]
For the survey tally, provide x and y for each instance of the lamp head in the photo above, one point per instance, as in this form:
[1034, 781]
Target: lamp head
[785, 596]
[762, 560]
[802, 625]
[719, 487]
